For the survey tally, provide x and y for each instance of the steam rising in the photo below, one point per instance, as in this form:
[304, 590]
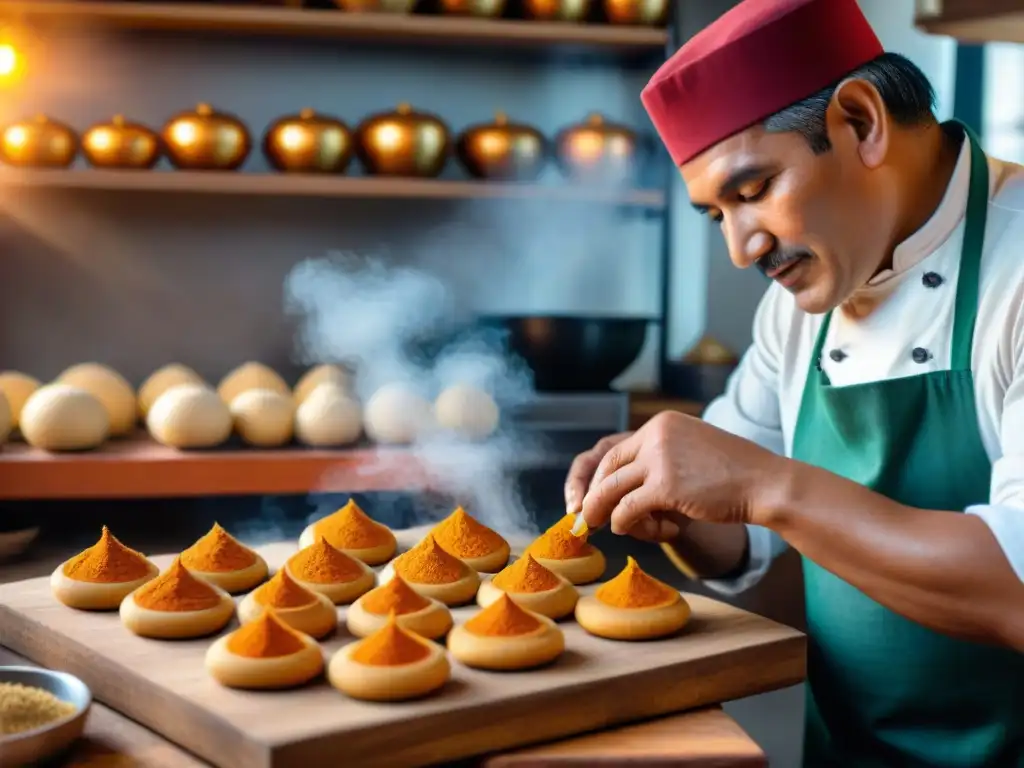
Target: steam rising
[376, 318]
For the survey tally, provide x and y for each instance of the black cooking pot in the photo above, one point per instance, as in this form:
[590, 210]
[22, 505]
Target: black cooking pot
[573, 354]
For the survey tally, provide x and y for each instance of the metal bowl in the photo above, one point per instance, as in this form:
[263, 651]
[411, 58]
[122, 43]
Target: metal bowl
[33, 747]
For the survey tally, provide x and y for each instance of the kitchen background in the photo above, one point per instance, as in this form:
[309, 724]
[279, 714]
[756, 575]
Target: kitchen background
[138, 280]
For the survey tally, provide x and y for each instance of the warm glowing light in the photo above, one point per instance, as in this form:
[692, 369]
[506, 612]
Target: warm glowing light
[16, 136]
[389, 136]
[292, 137]
[9, 60]
[184, 134]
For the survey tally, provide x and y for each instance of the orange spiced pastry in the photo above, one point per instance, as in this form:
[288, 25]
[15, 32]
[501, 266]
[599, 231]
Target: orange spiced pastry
[633, 606]
[531, 586]
[506, 636]
[353, 532]
[264, 654]
[392, 664]
[177, 605]
[472, 542]
[432, 572]
[100, 577]
[322, 568]
[567, 554]
[300, 608]
[423, 615]
[221, 559]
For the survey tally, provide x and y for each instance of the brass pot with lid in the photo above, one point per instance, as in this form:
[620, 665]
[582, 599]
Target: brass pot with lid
[650, 13]
[308, 143]
[597, 151]
[710, 351]
[502, 150]
[40, 142]
[480, 8]
[557, 10]
[403, 143]
[206, 140]
[121, 144]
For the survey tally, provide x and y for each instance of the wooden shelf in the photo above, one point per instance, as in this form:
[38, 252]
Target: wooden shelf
[973, 21]
[337, 24]
[295, 185]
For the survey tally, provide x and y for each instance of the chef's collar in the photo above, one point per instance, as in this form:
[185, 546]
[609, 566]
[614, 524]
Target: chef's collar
[943, 222]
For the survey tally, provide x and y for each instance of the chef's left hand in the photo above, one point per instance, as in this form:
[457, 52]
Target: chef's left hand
[682, 465]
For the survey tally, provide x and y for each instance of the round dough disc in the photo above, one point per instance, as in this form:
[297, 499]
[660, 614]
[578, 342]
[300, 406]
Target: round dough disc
[17, 388]
[328, 417]
[263, 418]
[112, 390]
[397, 414]
[161, 380]
[468, 411]
[189, 416]
[59, 417]
[321, 374]
[250, 376]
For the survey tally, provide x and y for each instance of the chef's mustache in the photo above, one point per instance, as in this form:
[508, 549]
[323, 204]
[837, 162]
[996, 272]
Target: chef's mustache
[780, 257]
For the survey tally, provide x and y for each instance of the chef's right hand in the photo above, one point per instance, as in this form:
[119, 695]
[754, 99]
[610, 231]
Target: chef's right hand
[582, 471]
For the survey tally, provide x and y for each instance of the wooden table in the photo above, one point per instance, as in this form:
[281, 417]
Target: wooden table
[702, 738]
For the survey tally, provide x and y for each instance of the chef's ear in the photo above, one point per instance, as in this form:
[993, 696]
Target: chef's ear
[862, 110]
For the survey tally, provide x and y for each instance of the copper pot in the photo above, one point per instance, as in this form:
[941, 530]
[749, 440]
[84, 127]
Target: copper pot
[483, 8]
[653, 13]
[402, 143]
[206, 140]
[597, 151]
[502, 150]
[308, 143]
[557, 10]
[377, 6]
[121, 144]
[38, 143]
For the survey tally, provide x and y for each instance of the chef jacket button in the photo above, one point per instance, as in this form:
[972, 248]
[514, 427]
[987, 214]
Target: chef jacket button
[838, 355]
[931, 279]
[921, 355]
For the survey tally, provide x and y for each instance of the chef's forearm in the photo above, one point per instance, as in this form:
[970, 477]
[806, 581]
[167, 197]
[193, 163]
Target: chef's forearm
[941, 569]
[712, 550]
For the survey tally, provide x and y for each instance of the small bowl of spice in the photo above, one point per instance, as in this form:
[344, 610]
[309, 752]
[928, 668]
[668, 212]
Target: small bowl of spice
[42, 713]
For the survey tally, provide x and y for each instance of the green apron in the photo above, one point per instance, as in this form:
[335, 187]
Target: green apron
[884, 690]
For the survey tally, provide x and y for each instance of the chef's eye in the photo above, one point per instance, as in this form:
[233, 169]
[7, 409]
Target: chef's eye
[754, 191]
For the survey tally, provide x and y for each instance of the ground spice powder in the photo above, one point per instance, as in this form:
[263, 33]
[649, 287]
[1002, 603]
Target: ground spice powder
[321, 563]
[108, 561]
[25, 707]
[463, 536]
[218, 552]
[390, 646]
[503, 618]
[632, 588]
[427, 563]
[265, 638]
[525, 575]
[177, 590]
[351, 528]
[559, 543]
[283, 592]
[396, 595]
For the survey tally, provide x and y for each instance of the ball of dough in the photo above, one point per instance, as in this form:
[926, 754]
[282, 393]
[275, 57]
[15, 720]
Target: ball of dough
[111, 389]
[321, 374]
[17, 388]
[189, 416]
[328, 417]
[6, 418]
[250, 376]
[59, 417]
[161, 380]
[263, 418]
[469, 411]
[397, 414]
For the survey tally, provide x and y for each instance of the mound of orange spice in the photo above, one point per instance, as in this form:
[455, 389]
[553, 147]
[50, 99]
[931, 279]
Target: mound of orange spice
[322, 563]
[633, 588]
[108, 561]
[525, 575]
[351, 528]
[218, 552]
[503, 618]
[265, 638]
[176, 590]
[465, 537]
[283, 592]
[559, 543]
[394, 596]
[428, 563]
[391, 646]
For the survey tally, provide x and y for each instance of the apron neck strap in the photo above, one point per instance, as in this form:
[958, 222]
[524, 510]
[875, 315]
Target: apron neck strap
[967, 288]
[966, 306]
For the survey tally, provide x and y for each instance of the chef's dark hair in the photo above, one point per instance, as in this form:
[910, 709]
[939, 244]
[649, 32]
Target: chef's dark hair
[904, 88]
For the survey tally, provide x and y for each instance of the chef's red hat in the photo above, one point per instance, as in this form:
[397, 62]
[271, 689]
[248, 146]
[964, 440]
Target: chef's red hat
[756, 59]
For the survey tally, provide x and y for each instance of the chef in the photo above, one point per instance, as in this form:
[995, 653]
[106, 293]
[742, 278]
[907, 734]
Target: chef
[876, 424]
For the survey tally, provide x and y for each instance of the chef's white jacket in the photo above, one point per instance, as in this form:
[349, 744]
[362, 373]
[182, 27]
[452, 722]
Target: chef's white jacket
[873, 337]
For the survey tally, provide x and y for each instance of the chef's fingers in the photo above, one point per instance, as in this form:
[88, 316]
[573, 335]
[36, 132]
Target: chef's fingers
[582, 471]
[656, 528]
[616, 458]
[643, 503]
[603, 497]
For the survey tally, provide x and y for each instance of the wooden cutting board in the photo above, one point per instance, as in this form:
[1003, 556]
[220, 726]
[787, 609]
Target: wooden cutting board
[724, 653]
